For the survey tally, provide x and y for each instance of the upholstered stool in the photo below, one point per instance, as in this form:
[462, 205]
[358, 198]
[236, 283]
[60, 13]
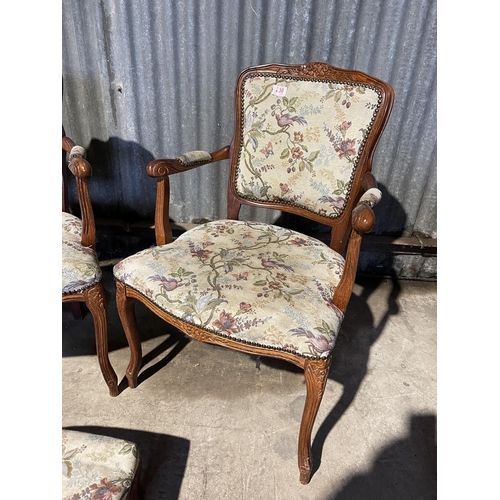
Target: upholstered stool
[98, 467]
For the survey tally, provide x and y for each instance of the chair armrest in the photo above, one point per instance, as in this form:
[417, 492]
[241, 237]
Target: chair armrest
[78, 166]
[67, 143]
[187, 161]
[362, 220]
[82, 171]
[363, 217]
[161, 169]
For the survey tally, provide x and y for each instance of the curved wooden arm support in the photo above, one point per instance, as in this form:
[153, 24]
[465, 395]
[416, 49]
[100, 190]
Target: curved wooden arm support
[67, 143]
[165, 167]
[221, 154]
[80, 168]
[82, 171]
[169, 166]
[369, 181]
[363, 220]
[160, 170]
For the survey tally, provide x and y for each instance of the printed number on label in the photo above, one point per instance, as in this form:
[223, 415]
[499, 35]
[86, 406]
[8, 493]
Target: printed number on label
[279, 90]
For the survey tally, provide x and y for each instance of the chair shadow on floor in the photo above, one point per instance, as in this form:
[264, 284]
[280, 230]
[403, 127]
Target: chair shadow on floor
[407, 468]
[352, 351]
[176, 342]
[163, 458]
[78, 335]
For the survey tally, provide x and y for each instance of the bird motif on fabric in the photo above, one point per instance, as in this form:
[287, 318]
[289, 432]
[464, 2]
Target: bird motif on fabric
[318, 342]
[273, 264]
[168, 284]
[285, 120]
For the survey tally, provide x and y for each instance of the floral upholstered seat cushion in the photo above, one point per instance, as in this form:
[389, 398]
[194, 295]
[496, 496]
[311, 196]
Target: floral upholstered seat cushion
[80, 265]
[97, 467]
[252, 282]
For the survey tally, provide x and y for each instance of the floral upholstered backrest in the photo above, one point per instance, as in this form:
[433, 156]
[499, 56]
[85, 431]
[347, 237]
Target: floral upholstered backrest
[301, 139]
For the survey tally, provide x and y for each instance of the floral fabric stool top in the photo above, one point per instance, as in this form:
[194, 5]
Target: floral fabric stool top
[98, 467]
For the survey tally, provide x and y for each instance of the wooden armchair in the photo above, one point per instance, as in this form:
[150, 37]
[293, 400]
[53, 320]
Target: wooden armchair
[81, 274]
[303, 143]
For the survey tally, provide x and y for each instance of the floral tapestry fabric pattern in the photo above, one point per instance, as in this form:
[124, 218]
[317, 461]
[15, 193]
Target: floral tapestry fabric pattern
[254, 282]
[300, 140]
[80, 265]
[97, 467]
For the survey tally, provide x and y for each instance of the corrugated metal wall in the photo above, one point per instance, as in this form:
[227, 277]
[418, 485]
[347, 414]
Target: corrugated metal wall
[155, 78]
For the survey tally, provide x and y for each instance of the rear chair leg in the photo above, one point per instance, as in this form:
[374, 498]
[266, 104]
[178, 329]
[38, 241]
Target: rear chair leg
[95, 299]
[126, 311]
[316, 375]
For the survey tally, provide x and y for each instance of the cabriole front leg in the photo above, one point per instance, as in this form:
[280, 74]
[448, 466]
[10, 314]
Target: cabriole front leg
[95, 299]
[126, 311]
[316, 374]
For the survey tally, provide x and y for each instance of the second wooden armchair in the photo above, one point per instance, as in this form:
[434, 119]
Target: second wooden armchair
[81, 273]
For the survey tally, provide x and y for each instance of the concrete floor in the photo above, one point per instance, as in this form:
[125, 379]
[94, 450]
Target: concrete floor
[212, 423]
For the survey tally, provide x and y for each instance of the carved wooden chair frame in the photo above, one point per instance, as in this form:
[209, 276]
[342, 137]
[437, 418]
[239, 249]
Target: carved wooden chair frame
[356, 219]
[93, 296]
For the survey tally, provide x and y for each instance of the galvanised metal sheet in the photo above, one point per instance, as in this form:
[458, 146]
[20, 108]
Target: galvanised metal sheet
[155, 78]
